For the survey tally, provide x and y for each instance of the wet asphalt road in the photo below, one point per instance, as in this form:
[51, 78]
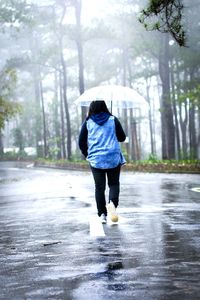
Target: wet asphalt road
[48, 247]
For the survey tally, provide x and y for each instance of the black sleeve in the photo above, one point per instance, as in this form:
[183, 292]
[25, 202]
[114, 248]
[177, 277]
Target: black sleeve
[121, 136]
[82, 141]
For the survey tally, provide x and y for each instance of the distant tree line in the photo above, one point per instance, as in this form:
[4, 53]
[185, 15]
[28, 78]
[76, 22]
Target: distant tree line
[49, 57]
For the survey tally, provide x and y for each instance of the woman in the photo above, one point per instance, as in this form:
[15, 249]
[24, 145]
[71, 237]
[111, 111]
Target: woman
[99, 142]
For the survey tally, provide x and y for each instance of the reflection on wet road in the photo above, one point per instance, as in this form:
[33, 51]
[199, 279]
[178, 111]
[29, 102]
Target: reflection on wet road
[48, 251]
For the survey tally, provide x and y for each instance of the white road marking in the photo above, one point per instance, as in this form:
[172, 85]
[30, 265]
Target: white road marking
[30, 166]
[96, 228]
[196, 189]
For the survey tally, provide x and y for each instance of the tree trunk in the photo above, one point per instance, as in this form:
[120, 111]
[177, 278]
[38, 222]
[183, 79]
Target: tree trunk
[64, 155]
[150, 120]
[125, 81]
[192, 127]
[58, 124]
[183, 116]
[136, 150]
[79, 44]
[64, 87]
[131, 140]
[167, 123]
[36, 81]
[78, 6]
[125, 64]
[43, 120]
[183, 123]
[125, 118]
[64, 90]
[198, 139]
[56, 118]
[38, 135]
[1, 143]
[178, 144]
[192, 132]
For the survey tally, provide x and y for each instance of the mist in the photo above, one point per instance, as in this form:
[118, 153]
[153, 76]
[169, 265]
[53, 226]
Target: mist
[53, 51]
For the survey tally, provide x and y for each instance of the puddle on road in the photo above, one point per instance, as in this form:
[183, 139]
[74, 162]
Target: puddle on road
[157, 237]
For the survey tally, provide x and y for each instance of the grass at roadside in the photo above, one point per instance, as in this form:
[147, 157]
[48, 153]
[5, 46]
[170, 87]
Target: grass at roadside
[173, 166]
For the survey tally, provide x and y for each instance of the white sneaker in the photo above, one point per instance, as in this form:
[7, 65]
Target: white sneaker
[103, 219]
[112, 212]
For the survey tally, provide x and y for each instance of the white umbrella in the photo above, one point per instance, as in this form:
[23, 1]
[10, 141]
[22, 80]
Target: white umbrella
[113, 95]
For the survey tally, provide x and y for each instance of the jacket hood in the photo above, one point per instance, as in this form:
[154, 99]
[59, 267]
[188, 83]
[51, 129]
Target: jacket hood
[100, 118]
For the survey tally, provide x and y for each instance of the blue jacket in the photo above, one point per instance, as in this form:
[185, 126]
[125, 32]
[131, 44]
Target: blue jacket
[99, 141]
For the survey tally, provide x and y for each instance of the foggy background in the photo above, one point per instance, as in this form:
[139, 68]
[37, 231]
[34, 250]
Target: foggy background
[55, 50]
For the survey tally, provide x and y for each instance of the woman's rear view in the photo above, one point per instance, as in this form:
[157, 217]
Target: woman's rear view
[99, 142]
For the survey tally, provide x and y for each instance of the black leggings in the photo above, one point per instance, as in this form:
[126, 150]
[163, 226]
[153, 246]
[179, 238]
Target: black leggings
[100, 186]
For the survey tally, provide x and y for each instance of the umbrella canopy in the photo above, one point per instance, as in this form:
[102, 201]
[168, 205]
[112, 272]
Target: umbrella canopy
[113, 95]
